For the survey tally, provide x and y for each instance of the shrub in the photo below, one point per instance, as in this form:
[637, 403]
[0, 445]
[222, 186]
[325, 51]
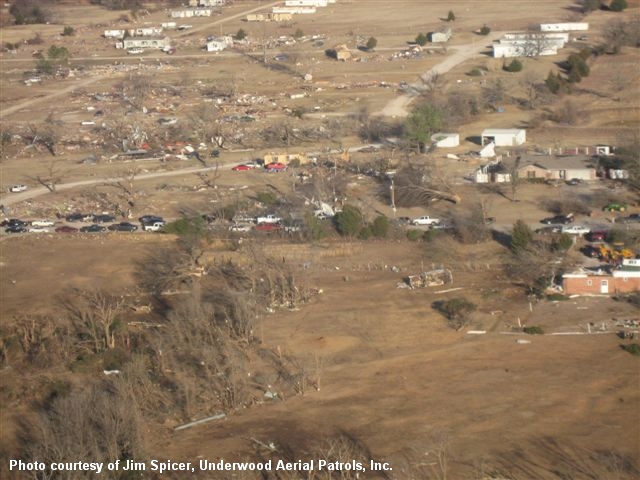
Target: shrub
[563, 243]
[485, 30]
[68, 31]
[192, 226]
[514, 66]
[380, 227]
[475, 72]
[632, 348]
[457, 310]
[349, 221]
[554, 83]
[266, 198]
[534, 330]
[314, 227]
[521, 237]
[556, 297]
[577, 63]
[421, 39]
[430, 235]
[618, 5]
[414, 234]
[298, 33]
[372, 43]
[29, 11]
[451, 16]
[365, 233]
[240, 35]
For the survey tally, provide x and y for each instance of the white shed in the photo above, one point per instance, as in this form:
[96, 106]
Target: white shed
[564, 27]
[504, 137]
[442, 35]
[446, 140]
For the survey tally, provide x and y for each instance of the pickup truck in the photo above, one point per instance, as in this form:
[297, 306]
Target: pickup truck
[268, 219]
[425, 220]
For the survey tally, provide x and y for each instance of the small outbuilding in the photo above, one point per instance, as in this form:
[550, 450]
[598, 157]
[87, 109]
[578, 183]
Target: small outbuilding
[446, 140]
[609, 281]
[440, 36]
[504, 137]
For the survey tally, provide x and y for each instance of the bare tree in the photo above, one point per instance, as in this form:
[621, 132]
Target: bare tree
[52, 177]
[126, 192]
[416, 186]
[94, 315]
[534, 44]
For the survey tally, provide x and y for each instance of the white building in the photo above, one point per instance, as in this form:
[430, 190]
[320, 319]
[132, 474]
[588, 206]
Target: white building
[145, 32]
[305, 3]
[119, 34]
[294, 10]
[564, 27]
[217, 44]
[146, 42]
[169, 25]
[504, 137]
[442, 35]
[446, 140]
[269, 17]
[529, 44]
[191, 12]
[207, 3]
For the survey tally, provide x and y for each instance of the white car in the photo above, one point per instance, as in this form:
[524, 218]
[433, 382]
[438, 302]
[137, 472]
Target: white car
[18, 188]
[42, 223]
[240, 228]
[575, 230]
[39, 230]
[153, 227]
[425, 220]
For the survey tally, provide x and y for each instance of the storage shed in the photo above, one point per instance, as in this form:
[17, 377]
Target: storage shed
[442, 35]
[504, 137]
[446, 140]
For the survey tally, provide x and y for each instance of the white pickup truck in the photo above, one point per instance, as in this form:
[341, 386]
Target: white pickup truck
[425, 220]
[268, 219]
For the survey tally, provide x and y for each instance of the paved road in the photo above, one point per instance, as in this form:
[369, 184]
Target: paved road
[13, 198]
[398, 106]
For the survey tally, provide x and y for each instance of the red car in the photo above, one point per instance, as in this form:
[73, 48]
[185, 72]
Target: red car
[241, 168]
[66, 229]
[275, 167]
[268, 227]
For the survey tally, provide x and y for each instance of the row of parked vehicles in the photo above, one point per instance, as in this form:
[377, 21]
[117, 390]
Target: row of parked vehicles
[148, 223]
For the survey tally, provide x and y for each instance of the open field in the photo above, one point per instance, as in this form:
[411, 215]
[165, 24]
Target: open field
[308, 329]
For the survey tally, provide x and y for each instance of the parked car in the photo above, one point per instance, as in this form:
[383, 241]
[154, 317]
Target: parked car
[268, 227]
[18, 188]
[275, 167]
[66, 229]
[103, 218]
[15, 229]
[242, 168]
[39, 230]
[575, 230]
[558, 220]
[322, 215]
[135, 51]
[633, 218]
[123, 227]
[597, 236]
[574, 181]
[591, 251]
[240, 227]
[14, 222]
[425, 220]
[42, 223]
[614, 207]
[549, 230]
[153, 227]
[268, 219]
[79, 217]
[94, 228]
[150, 219]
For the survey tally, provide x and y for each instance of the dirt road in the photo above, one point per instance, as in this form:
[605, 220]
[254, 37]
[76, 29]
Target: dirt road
[398, 106]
